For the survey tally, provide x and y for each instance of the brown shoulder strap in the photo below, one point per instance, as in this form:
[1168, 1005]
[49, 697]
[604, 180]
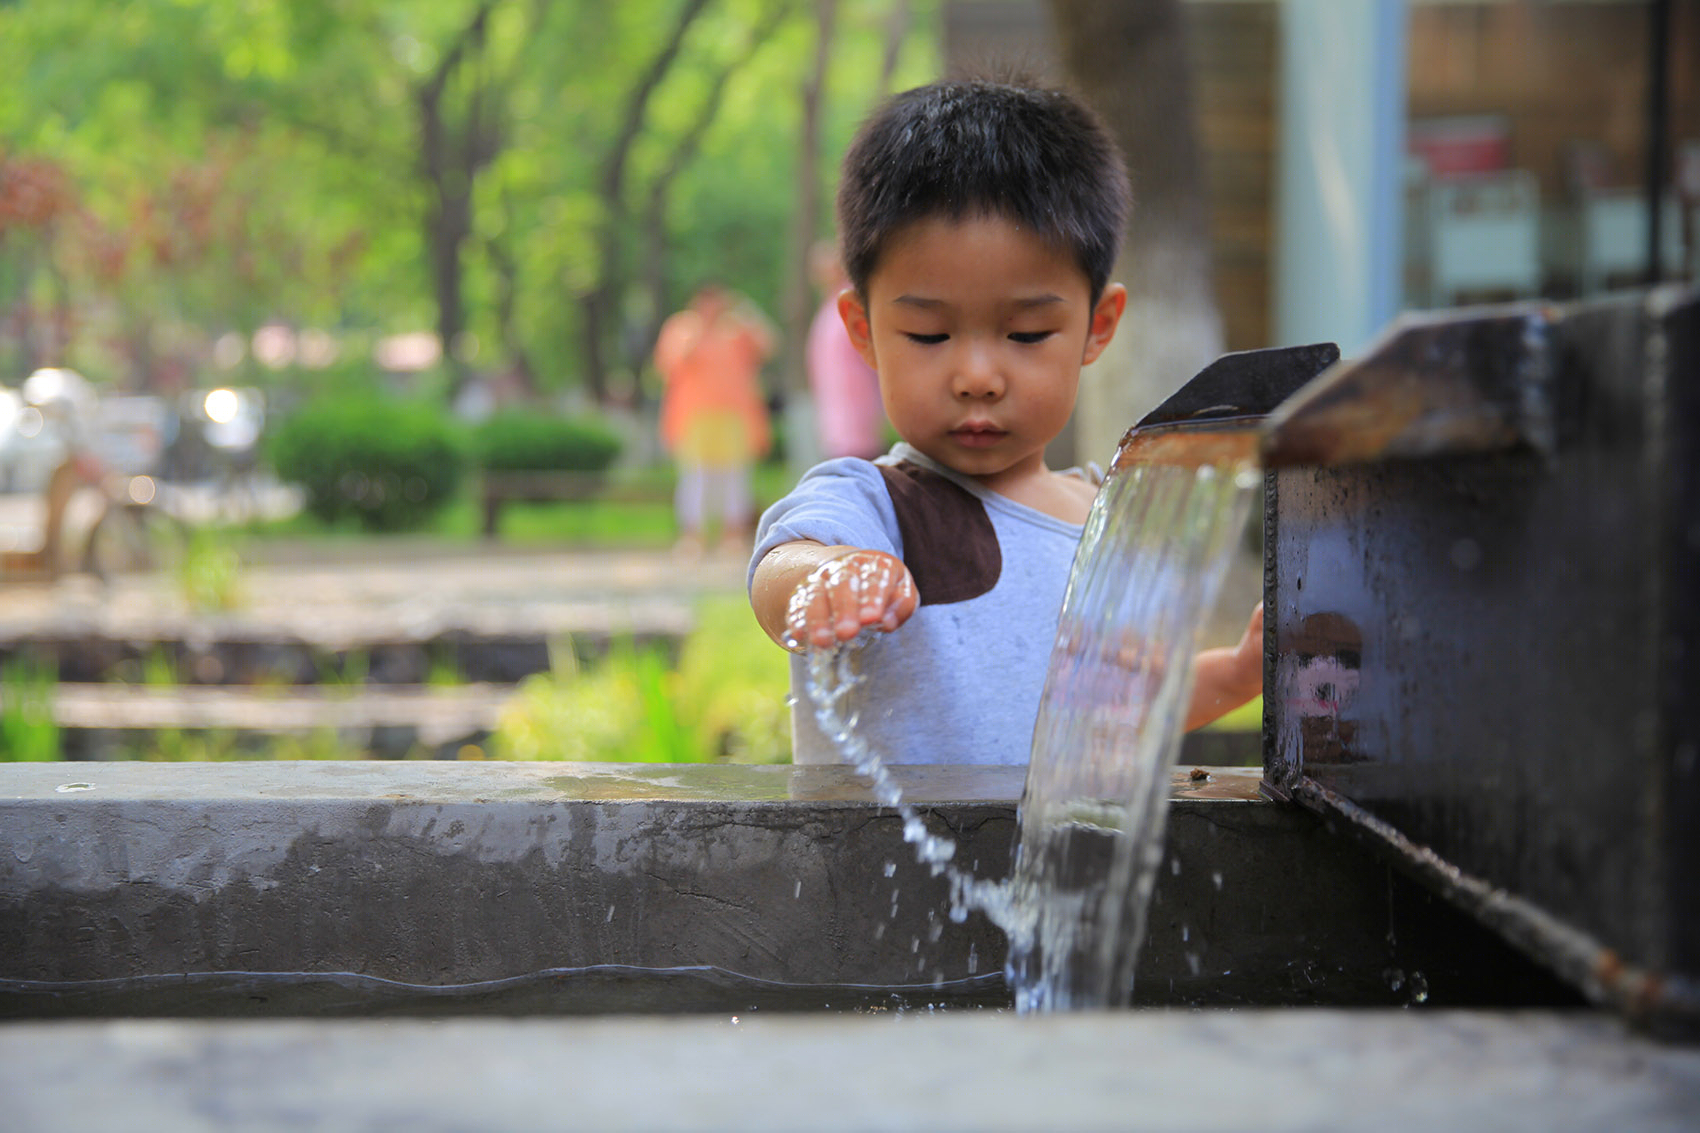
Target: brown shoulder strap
[949, 544]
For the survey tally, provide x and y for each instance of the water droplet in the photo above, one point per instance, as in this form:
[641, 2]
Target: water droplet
[890, 869]
[66, 788]
[1175, 867]
[734, 1020]
[1395, 978]
[879, 930]
[1419, 988]
[1216, 878]
[1466, 554]
[1186, 933]
[1193, 962]
[798, 892]
[610, 917]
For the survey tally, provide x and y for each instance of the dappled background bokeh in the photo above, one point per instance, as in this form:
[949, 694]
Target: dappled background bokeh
[328, 416]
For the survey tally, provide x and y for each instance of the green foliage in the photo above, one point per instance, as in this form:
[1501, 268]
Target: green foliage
[387, 465]
[612, 712]
[234, 163]
[724, 703]
[521, 441]
[209, 575]
[27, 731]
[733, 686]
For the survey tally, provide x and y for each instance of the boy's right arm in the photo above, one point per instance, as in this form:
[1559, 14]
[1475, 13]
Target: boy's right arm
[808, 594]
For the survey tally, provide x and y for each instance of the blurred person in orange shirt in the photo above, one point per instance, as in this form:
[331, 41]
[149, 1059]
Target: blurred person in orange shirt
[713, 417]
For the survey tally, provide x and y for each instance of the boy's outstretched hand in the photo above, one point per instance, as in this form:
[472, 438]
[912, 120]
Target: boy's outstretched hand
[846, 594]
[1224, 679]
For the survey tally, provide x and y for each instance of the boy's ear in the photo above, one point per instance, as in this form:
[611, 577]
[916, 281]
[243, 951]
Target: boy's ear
[1105, 317]
[855, 316]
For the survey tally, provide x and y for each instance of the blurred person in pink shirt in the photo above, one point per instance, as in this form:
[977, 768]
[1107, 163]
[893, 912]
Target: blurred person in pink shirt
[849, 420]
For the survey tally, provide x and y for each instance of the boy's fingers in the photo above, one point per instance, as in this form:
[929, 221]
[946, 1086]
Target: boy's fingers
[907, 599]
[845, 595]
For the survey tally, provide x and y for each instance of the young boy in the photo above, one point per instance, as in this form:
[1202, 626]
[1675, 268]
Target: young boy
[979, 223]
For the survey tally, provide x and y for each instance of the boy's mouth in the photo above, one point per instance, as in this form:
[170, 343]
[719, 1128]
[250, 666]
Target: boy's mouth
[977, 435]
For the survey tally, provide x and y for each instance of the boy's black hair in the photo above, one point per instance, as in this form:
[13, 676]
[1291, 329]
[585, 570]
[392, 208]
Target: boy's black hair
[977, 148]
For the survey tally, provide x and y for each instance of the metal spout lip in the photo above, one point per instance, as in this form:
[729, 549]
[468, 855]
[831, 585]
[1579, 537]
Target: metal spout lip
[1244, 383]
[1434, 384]
[1215, 415]
[1227, 440]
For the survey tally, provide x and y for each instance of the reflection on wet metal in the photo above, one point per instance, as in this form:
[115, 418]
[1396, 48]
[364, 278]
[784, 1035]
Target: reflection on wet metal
[1435, 384]
[1483, 599]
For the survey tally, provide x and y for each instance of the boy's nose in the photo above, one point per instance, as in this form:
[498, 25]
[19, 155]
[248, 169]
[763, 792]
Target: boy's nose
[976, 374]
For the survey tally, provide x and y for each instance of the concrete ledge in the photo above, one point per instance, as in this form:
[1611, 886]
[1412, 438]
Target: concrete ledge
[1269, 1071]
[182, 889]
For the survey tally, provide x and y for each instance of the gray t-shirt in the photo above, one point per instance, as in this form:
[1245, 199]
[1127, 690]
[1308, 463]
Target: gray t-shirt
[960, 682]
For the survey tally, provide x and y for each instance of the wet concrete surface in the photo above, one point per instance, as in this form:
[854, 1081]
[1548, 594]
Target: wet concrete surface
[361, 888]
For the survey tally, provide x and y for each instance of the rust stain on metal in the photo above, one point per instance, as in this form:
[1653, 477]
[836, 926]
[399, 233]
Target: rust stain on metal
[1190, 447]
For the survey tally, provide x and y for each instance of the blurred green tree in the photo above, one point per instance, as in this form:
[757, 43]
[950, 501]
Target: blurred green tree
[538, 182]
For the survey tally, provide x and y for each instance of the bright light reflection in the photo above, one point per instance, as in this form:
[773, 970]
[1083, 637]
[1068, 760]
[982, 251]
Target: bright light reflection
[48, 383]
[221, 405]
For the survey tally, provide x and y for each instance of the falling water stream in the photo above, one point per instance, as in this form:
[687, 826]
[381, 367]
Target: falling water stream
[1151, 561]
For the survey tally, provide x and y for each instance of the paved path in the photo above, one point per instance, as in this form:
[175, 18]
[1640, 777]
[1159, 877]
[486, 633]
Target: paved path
[344, 592]
[364, 590]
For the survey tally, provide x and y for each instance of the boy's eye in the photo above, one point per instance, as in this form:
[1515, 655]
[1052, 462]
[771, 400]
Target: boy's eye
[926, 339]
[1030, 337]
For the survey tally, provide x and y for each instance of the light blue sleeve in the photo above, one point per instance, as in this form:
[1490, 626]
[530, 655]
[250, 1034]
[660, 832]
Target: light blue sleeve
[840, 502]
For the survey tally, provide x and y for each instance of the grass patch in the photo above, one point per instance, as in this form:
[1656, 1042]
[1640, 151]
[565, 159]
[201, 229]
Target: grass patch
[27, 731]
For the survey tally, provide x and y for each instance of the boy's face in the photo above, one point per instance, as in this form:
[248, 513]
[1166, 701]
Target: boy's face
[978, 329]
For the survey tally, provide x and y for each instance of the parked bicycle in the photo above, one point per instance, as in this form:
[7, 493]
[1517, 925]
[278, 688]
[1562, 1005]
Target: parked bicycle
[95, 518]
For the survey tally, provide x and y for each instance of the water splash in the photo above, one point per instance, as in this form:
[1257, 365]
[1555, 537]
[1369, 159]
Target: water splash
[834, 675]
[1150, 563]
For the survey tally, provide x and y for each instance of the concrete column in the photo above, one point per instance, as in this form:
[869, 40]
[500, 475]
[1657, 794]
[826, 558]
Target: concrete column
[1339, 195]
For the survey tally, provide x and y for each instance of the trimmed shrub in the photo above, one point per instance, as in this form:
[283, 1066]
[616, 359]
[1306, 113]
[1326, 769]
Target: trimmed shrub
[389, 465]
[518, 441]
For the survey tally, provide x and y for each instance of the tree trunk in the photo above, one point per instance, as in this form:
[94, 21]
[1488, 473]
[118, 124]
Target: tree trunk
[598, 304]
[799, 297]
[506, 270]
[451, 160]
[1130, 60]
[654, 221]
